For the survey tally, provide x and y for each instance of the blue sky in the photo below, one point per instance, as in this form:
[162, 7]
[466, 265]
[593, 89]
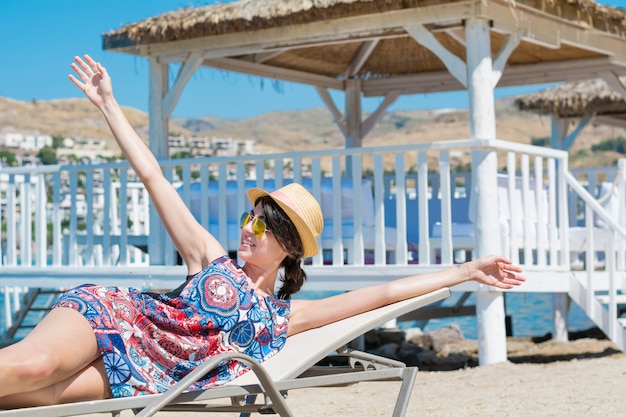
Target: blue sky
[39, 39]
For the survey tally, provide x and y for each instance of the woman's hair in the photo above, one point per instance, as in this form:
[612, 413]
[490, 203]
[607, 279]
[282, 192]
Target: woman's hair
[287, 236]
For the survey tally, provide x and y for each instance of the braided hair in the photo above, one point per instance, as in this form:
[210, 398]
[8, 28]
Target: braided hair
[287, 236]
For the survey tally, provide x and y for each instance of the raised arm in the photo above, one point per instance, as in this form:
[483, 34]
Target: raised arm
[195, 244]
[493, 270]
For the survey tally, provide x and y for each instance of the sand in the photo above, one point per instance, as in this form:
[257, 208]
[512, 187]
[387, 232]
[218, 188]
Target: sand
[585, 377]
[585, 387]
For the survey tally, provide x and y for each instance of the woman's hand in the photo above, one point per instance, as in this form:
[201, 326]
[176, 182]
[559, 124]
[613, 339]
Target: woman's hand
[94, 80]
[496, 271]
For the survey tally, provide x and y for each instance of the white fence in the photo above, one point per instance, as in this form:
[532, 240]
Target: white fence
[388, 211]
[384, 205]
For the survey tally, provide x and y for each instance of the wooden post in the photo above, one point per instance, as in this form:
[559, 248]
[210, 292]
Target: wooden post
[353, 120]
[489, 304]
[158, 145]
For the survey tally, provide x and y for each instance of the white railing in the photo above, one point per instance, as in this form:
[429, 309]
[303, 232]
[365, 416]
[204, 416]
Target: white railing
[387, 210]
[602, 237]
[385, 205]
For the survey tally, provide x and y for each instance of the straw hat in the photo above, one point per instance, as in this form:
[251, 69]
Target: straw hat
[303, 210]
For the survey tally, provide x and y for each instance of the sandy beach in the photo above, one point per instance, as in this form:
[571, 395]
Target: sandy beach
[584, 377]
[579, 387]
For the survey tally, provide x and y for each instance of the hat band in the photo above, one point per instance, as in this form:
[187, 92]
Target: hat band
[288, 200]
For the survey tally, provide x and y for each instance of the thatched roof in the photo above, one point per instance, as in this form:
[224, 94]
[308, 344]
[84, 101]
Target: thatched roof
[574, 100]
[326, 42]
[246, 15]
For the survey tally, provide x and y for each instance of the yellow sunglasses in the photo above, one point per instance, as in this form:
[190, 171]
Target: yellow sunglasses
[258, 226]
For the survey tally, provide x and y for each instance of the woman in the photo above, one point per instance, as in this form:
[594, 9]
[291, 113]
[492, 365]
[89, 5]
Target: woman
[98, 343]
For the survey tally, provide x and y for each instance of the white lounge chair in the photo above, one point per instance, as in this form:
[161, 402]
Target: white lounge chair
[273, 378]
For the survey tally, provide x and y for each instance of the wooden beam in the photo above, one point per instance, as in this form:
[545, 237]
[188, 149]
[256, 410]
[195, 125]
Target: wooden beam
[507, 20]
[268, 71]
[457, 33]
[453, 63]
[558, 131]
[611, 121]
[361, 57]
[547, 29]
[371, 120]
[262, 57]
[569, 140]
[337, 115]
[528, 74]
[353, 118]
[512, 41]
[190, 65]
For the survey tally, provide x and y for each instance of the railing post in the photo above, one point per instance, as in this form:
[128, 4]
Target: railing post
[41, 230]
[621, 243]
[423, 214]
[8, 311]
[380, 255]
[401, 213]
[446, 210]
[26, 235]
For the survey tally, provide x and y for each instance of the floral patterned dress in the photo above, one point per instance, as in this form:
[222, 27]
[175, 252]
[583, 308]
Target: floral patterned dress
[150, 341]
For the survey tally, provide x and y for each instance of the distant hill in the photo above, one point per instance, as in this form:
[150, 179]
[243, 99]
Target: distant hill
[297, 130]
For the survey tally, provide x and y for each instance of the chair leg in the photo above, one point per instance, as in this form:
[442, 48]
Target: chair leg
[402, 403]
[250, 399]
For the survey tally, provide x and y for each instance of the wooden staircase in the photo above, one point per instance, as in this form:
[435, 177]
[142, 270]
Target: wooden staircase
[597, 304]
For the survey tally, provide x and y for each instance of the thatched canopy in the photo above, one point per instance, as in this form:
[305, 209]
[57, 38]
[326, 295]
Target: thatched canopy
[250, 15]
[324, 42]
[578, 99]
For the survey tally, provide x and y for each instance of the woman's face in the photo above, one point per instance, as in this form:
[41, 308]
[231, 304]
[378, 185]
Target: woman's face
[259, 250]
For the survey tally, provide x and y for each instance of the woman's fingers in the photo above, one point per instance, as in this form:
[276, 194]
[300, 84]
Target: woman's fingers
[87, 67]
[513, 279]
[90, 60]
[76, 82]
[86, 70]
[80, 70]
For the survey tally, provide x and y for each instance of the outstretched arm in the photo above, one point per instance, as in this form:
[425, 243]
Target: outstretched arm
[195, 244]
[493, 270]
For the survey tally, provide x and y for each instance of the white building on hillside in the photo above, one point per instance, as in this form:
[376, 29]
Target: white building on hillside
[89, 148]
[26, 141]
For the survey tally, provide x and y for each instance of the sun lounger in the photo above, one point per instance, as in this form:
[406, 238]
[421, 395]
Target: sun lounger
[274, 377]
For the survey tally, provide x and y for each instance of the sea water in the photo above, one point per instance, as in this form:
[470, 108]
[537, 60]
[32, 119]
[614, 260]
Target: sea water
[530, 315]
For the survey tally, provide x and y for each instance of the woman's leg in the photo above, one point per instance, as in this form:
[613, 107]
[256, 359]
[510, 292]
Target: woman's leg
[62, 345]
[89, 384]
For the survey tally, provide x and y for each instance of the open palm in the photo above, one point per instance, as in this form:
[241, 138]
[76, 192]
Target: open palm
[92, 78]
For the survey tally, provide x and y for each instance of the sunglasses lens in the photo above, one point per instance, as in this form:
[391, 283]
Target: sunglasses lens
[245, 218]
[258, 225]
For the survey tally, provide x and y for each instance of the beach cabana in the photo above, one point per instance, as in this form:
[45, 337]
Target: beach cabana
[598, 101]
[385, 48]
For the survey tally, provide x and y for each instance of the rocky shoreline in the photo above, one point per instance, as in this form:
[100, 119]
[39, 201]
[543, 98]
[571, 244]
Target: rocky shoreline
[446, 349]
